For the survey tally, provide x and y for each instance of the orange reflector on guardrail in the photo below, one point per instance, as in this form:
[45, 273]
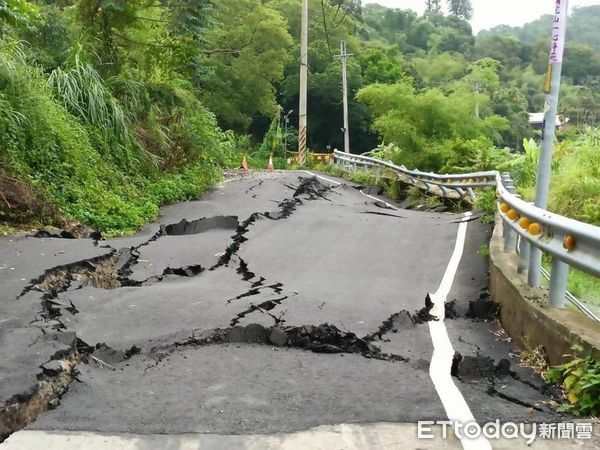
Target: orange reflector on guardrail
[524, 223]
[535, 229]
[512, 214]
[569, 243]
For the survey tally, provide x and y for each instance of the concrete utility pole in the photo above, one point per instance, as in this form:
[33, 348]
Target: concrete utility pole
[344, 58]
[303, 85]
[552, 89]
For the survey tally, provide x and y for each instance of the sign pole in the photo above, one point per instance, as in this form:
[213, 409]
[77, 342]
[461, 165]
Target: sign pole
[552, 89]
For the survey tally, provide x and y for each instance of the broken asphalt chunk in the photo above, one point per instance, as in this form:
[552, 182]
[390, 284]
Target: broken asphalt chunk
[278, 337]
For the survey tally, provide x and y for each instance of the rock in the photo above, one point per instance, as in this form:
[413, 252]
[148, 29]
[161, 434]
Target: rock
[236, 334]
[401, 321]
[256, 333]
[124, 259]
[278, 337]
[52, 368]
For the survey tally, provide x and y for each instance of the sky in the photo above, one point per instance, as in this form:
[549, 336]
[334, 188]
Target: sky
[489, 13]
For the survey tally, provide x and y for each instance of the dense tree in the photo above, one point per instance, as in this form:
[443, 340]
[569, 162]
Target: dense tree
[143, 90]
[581, 63]
[437, 70]
[425, 125]
[433, 6]
[248, 54]
[509, 51]
[381, 66]
[461, 8]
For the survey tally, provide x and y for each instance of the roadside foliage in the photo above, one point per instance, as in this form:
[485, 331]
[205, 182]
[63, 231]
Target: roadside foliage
[110, 108]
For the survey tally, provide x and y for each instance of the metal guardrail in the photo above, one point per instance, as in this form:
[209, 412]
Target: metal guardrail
[449, 185]
[567, 241]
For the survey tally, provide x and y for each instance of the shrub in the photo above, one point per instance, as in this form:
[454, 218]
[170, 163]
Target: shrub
[581, 379]
[486, 201]
[575, 188]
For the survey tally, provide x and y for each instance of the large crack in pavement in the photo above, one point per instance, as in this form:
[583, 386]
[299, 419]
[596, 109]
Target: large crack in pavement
[324, 338]
[475, 370]
[263, 307]
[113, 271]
[286, 208]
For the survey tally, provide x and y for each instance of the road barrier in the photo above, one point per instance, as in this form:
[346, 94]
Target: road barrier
[567, 241]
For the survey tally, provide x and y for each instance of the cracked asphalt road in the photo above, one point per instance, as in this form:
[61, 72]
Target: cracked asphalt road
[275, 304]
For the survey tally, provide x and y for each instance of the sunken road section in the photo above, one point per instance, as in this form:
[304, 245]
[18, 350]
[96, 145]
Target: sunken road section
[113, 271]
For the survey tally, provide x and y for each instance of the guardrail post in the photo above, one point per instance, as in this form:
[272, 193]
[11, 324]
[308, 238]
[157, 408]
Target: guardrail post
[558, 283]
[523, 256]
[510, 238]
[535, 262]
[510, 235]
[472, 194]
[535, 265]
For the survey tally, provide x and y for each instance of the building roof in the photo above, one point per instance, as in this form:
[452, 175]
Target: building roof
[538, 118]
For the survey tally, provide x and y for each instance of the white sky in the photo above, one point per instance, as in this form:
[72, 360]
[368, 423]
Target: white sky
[489, 13]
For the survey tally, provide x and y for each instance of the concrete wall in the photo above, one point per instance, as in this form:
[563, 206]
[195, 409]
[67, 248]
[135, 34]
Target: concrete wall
[525, 313]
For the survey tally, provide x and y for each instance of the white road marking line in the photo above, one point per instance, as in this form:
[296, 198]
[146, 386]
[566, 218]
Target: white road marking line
[454, 403]
[338, 183]
[322, 178]
[379, 200]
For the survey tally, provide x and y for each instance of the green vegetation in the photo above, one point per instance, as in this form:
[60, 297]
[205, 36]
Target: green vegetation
[68, 136]
[581, 379]
[575, 185]
[583, 286]
[580, 95]
[110, 108]
[484, 251]
[487, 203]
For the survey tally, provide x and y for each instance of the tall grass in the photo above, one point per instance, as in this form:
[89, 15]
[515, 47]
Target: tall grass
[50, 138]
[575, 188]
[82, 91]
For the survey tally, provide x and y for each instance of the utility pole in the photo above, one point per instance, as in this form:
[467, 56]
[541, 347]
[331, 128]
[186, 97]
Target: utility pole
[303, 85]
[344, 58]
[552, 89]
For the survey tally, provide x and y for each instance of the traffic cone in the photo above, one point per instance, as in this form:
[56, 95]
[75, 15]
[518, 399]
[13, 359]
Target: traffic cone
[244, 165]
[270, 165]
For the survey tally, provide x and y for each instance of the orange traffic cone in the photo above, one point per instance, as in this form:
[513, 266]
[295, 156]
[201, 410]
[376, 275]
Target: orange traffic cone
[270, 165]
[244, 163]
